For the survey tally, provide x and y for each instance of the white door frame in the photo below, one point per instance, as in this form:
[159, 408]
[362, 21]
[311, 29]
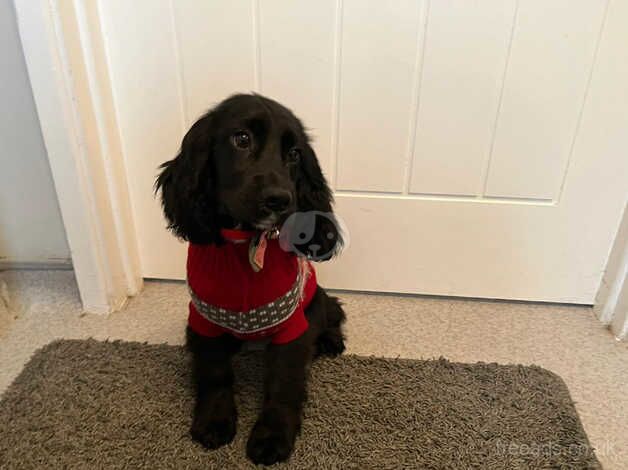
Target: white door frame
[69, 73]
[611, 301]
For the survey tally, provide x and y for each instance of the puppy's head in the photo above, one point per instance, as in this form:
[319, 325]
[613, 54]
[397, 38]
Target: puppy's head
[248, 162]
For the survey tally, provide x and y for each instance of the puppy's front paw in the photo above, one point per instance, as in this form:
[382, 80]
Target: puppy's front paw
[271, 440]
[214, 431]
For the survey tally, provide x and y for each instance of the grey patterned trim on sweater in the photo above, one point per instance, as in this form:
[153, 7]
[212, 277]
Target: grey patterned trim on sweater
[254, 320]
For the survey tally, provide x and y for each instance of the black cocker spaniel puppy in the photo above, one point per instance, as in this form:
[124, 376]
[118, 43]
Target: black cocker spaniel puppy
[247, 192]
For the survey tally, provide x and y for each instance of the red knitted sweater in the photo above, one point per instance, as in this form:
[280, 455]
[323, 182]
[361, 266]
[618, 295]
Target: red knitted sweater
[228, 296]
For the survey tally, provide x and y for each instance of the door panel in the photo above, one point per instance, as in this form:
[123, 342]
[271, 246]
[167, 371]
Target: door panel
[379, 47]
[464, 59]
[550, 62]
[298, 69]
[205, 45]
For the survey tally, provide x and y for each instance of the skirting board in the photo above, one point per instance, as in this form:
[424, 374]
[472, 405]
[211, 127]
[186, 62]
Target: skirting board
[64, 264]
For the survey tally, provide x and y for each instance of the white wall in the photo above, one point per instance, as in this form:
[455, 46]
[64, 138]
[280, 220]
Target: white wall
[31, 229]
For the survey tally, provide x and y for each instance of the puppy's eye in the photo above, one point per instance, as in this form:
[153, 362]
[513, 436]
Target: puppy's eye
[293, 155]
[241, 140]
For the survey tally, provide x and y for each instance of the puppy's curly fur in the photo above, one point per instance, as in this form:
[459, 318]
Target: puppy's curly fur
[249, 163]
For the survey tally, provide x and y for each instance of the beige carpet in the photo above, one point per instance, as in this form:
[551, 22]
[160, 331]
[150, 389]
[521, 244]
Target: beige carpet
[91, 404]
[566, 340]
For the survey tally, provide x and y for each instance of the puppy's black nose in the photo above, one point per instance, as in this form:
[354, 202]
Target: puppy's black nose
[277, 200]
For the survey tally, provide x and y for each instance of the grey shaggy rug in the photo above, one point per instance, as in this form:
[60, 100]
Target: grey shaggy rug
[90, 404]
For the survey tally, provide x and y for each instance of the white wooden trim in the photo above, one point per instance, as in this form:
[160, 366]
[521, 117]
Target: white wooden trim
[619, 323]
[615, 308]
[64, 54]
[611, 302]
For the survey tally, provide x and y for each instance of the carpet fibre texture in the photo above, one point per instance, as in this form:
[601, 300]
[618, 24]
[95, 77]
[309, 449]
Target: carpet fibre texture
[91, 404]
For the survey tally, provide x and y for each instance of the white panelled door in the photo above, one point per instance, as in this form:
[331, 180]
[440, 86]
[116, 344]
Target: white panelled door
[476, 148]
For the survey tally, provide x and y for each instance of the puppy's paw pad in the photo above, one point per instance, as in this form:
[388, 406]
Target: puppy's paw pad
[214, 433]
[267, 445]
[330, 343]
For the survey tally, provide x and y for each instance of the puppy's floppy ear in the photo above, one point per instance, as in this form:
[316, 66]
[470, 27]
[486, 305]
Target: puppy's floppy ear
[313, 194]
[187, 188]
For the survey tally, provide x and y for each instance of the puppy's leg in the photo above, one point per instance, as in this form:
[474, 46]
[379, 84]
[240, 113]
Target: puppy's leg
[285, 385]
[214, 422]
[275, 431]
[285, 388]
[330, 341]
